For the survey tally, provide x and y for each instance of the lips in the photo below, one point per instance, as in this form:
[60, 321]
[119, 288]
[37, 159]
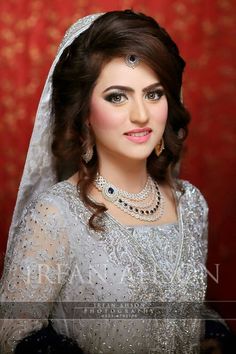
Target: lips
[139, 136]
[139, 132]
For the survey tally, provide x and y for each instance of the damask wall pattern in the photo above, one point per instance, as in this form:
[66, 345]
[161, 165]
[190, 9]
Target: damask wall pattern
[30, 32]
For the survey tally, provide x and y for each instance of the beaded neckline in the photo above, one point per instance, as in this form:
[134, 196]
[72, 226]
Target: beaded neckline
[125, 228]
[135, 226]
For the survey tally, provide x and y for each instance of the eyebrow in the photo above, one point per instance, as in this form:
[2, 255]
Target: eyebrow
[129, 89]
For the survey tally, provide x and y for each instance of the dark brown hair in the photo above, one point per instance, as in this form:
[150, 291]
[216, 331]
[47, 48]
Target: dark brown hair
[114, 34]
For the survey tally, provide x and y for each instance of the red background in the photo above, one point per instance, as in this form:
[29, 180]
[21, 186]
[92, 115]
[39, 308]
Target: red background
[30, 32]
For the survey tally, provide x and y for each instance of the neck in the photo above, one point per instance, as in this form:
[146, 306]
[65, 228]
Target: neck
[130, 176]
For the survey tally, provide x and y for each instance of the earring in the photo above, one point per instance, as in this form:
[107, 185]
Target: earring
[87, 156]
[160, 147]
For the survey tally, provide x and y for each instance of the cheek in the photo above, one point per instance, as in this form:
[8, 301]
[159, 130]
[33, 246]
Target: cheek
[103, 117]
[160, 112]
[164, 113]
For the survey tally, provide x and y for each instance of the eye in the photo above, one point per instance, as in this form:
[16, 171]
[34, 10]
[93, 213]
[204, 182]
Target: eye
[154, 95]
[116, 97]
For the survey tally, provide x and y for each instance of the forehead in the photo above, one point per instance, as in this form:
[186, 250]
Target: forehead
[117, 72]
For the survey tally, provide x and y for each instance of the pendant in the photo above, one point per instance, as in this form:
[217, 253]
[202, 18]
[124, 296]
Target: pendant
[110, 193]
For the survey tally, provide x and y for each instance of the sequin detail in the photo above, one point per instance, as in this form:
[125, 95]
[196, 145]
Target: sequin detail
[122, 264]
[76, 29]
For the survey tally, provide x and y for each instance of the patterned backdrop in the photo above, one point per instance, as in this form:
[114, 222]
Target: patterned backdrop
[30, 32]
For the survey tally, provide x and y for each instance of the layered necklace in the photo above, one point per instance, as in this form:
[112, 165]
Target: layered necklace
[147, 205]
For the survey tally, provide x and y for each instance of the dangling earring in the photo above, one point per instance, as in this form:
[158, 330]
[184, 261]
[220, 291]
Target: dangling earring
[160, 147]
[87, 146]
[87, 156]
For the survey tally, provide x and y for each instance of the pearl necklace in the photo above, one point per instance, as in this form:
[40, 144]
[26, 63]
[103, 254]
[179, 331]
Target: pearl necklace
[134, 203]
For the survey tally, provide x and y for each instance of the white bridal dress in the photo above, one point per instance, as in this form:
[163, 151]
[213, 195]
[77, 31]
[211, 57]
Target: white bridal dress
[124, 290]
[101, 288]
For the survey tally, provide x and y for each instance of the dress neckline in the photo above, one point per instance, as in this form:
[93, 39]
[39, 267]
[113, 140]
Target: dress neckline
[138, 226]
[125, 228]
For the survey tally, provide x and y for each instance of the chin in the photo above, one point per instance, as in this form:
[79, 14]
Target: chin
[141, 156]
[138, 158]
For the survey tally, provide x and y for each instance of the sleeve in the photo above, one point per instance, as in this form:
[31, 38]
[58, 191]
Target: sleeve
[204, 208]
[33, 275]
[196, 205]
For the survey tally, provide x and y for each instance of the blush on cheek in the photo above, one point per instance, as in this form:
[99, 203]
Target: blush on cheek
[164, 114]
[161, 114]
[102, 117]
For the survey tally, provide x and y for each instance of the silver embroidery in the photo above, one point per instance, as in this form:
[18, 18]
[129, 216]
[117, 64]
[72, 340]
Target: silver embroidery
[78, 27]
[129, 264]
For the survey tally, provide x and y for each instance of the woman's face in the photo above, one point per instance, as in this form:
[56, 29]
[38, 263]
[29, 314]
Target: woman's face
[125, 100]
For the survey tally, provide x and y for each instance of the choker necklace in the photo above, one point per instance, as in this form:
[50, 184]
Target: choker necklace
[134, 204]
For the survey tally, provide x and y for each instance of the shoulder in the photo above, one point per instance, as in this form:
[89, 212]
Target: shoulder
[54, 202]
[192, 196]
[58, 194]
[63, 203]
[62, 189]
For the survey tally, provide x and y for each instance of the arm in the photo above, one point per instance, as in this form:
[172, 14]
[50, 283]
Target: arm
[205, 228]
[40, 247]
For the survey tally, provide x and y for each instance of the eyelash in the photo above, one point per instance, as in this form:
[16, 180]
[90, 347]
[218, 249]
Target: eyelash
[158, 92]
[112, 96]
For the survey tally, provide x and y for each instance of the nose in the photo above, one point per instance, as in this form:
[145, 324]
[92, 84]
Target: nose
[139, 113]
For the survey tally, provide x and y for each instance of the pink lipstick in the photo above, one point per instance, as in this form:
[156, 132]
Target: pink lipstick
[139, 135]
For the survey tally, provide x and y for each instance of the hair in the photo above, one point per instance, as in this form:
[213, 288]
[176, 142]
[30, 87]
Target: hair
[114, 34]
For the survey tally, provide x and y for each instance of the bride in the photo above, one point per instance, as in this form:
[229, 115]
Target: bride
[101, 217]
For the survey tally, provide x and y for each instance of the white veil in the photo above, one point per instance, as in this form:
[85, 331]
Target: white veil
[39, 170]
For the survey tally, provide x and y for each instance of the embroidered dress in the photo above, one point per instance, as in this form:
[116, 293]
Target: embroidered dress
[58, 260]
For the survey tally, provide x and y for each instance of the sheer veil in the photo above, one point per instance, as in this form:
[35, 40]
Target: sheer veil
[39, 170]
